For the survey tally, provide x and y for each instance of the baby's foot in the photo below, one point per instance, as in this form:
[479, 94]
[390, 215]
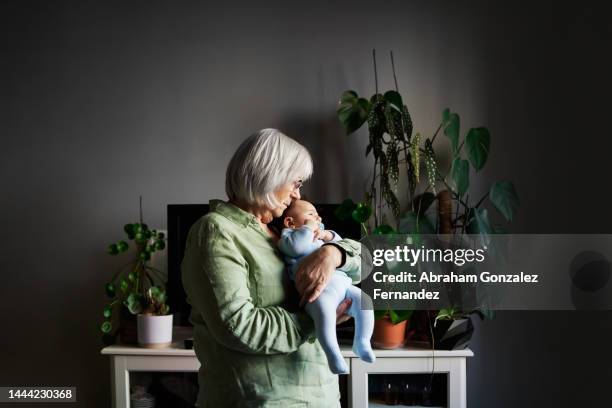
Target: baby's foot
[338, 366]
[364, 350]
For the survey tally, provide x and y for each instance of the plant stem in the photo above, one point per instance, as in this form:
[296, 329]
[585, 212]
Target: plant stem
[375, 72]
[120, 271]
[460, 146]
[373, 191]
[410, 186]
[157, 271]
[380, 195]
[437, 131]
[481, 200]
[393, 68]
[138, 277]
[456, 212]
[140, 207]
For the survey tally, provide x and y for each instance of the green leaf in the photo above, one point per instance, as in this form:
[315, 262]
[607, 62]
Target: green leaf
[504, 198]
[123, 285]
[110, 290]
[160, 245]
[343, 211]
[112, 249]
[451, 130]
[411, 222]
[398, 316]
[460, 174]
[133, 303]
[108, 312]
[379, 314]
[362, 212]
[478, 221]
[448, 314]
[445, 115]
[158, 295]
[478, 142]
[394, 99]
[348, 96]
[122, 246]
[106, 327]
[131, 276]
[487, 314]
[164, 310]
[383, 229]
[352, 111]
[129, 230]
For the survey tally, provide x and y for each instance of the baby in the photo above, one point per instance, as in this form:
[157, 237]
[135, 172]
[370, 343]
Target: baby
[302, 235]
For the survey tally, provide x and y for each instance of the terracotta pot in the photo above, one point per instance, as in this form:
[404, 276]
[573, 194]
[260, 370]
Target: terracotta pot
[388, 335]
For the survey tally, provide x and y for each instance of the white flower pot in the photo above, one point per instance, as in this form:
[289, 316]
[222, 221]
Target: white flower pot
[154, 331]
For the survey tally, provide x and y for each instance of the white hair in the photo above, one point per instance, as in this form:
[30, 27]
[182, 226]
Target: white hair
[264, 162]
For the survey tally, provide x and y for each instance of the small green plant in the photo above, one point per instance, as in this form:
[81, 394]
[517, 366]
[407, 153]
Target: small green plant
[152, 302]
[137, 286]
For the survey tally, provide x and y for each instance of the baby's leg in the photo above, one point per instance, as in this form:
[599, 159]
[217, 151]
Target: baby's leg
[364, 324]
[323, 312]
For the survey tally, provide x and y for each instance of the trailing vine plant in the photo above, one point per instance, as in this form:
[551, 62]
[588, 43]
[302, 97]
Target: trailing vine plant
[137, 286]
[390, 143]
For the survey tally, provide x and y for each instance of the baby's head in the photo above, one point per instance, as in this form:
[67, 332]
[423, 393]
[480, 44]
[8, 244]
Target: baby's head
[299, 213]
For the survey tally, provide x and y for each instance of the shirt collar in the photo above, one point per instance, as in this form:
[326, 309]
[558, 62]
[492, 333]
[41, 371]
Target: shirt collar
[232, 212]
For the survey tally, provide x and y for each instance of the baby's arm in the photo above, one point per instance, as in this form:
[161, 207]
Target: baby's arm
[298, 242]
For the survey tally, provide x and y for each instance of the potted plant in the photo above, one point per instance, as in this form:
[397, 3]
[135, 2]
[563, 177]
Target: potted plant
[390, 328]
[443, 206]
[452, 329]
[129, 286]
[154, 322]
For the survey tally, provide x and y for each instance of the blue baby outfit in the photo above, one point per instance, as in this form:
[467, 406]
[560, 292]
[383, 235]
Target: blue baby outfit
[295, 244]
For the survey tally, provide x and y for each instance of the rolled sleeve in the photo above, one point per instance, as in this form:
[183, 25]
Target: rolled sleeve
[352, 265]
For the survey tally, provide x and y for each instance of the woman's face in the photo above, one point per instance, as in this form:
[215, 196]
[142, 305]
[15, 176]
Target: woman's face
[284, 195]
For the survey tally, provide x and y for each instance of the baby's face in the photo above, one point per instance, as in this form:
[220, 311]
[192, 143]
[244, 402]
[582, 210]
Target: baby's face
[301, 212]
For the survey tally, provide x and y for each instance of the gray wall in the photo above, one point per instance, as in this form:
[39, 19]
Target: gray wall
[103, 101]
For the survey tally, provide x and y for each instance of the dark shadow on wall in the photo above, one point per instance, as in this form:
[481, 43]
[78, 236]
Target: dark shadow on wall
[546, 90]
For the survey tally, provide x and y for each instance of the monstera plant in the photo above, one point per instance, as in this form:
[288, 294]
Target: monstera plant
[137, 287]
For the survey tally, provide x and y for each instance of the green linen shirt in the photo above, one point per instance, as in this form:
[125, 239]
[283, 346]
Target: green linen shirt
[254, 351]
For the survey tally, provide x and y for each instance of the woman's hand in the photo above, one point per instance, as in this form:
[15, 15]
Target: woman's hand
[315, 271]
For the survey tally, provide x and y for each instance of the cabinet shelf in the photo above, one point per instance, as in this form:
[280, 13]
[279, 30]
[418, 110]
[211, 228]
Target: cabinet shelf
[128, 359]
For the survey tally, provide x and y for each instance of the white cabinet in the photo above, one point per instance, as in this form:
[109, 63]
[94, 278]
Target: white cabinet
[406, 361]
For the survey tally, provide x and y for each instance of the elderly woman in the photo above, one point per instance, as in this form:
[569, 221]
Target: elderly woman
[255, 349]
